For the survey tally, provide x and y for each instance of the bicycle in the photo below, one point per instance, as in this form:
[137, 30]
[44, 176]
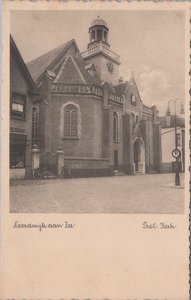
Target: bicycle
[41, 173]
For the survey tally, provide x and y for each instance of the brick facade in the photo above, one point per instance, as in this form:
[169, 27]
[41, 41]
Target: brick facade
[82, 83]
[22, 94]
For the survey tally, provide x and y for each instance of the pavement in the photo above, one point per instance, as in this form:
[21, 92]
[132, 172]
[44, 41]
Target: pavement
[118, 194]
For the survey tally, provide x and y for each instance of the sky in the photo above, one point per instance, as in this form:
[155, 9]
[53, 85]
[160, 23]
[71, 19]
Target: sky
[150, 43]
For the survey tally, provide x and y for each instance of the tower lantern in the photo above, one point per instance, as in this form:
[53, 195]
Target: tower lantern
[106, 62]
[98, 32]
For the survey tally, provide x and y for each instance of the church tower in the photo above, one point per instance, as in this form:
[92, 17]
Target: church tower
[98, 52]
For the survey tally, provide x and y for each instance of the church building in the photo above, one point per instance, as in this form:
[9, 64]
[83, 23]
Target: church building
[88, 111]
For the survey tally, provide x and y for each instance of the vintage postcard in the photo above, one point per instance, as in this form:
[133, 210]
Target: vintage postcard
[95, 148]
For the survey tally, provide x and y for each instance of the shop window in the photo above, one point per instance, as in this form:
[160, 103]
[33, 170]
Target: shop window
[70, 121]
[133, 100]
[18, 106]
[115, 127]
[34, 123]
[17, 150]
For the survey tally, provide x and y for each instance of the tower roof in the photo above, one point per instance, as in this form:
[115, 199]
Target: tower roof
[98, 22]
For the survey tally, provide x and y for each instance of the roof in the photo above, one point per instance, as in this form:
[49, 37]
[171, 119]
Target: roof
[25, 70]
[99, 22]
[90, 79]
[40, 64]
[121, 88]
[180, 121]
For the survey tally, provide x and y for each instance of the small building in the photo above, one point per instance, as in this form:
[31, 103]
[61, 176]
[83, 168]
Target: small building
[168, 139]
[96, 117]
[23, 92]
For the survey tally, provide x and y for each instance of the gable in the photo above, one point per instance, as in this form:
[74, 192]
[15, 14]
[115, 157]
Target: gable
[134, 90]
[70, 73]
[41, 64]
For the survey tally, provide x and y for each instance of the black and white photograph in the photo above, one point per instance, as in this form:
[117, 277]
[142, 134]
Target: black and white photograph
[95, 150]
[97, 111]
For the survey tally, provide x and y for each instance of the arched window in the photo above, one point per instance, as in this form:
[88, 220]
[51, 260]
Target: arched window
[70, 121]
[34, 122]
[115, 127]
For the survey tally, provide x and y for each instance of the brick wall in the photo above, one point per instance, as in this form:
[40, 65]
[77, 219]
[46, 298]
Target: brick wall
[89, 144]
[128, 144]
[157, 150]
[100, 62]
[147, 133]
[19, 84]
[116, 145]
[87, 167]
[128, 107]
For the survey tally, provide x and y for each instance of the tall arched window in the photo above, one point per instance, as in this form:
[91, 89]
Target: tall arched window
[34, 122]
[70, 121]
[115, 127]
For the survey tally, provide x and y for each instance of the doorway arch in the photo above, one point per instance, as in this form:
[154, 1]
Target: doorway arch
[139, 156]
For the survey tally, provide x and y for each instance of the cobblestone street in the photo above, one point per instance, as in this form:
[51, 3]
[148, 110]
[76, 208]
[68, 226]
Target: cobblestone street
[119, 194]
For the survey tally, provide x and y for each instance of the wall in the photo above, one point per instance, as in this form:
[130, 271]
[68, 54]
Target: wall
[16, 174]
[100, 63]
[128, 160]
[147, 134]
[89, 143]
[116, 145]
[157, 149]
[128, 107]
[18, 84]
[87, 167]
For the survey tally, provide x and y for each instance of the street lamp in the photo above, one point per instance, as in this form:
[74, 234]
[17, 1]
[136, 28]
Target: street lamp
[175, 152]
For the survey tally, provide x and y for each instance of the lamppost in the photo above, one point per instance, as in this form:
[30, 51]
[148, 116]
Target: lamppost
[176, 151]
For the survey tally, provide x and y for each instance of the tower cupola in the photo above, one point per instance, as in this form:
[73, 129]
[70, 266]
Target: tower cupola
[106, 62]
[98, 32]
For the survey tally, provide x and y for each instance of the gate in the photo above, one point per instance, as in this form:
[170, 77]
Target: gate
[48, 162]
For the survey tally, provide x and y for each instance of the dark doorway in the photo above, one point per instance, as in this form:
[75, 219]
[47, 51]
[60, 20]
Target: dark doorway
[115, 160]
[136, 155]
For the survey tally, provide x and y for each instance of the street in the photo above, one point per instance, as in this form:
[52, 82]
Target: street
[120, 194]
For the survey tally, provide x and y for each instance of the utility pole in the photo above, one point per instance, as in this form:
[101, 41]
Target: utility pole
[175, 152]
[177, 175]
